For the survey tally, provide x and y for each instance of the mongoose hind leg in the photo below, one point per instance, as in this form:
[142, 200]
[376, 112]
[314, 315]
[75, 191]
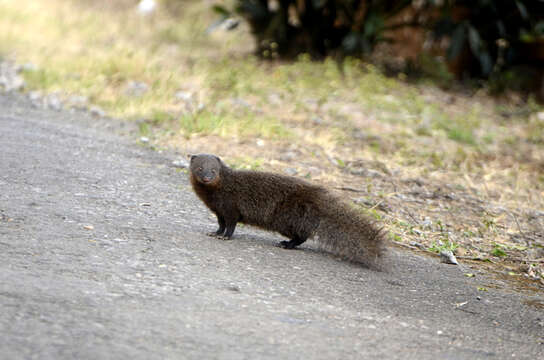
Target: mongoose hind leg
[293, 243]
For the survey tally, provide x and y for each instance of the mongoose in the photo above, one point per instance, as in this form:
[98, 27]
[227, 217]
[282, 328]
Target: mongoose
[290, 206]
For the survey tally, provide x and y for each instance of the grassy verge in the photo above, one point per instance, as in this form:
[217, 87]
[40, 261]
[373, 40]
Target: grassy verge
[439, 169]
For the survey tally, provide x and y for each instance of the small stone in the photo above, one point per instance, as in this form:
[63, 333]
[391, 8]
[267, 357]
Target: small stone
[88, 227]
[230, 24]
[497, 210]
[239, 102]
[291, 171]
[35, 96]
[288, 156]
[260, 142]
[11, 83]
[447, 257]
[373, 173]
[144, 139]
[416, 181]
[78, 101]
[29, 67]
[540, 116]
[16, 68]
[180, 163]
[183, 96]
[313, 171]
[361, 171]
[365, 201]
[97, 111]
[535, 214]
[427, 222]
[535, 253]
[361, 135]
[136, 88]
[416, 244]
[53, 102]
[9, 78]
[311, 104]
[233, 288]
[146, 7]
[17, 84]
[38, 104]
[274, 99]
[450, 99]
[317, 120]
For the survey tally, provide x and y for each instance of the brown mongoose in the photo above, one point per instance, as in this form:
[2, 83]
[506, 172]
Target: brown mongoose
[288, 205]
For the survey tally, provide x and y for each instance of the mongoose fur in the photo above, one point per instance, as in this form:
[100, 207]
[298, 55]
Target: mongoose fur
[290, 206]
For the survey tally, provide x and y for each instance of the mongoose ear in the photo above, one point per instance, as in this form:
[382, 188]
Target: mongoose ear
[191, 156]
[219, 159]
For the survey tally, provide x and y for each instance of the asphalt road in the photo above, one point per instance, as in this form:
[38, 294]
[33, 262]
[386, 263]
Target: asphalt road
[103, 256]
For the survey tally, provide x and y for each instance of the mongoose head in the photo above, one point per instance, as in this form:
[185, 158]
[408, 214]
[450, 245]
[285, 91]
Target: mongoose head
[206, 169]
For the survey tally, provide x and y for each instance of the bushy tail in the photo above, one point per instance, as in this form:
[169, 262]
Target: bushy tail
[348, 233]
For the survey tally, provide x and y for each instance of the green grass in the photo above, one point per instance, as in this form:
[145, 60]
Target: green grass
[498, 251]
[443, 245]
[247, 163]
[225, 123]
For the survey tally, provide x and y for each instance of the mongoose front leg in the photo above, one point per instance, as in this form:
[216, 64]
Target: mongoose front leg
[230, 231]
[230, 225]
[293, 243]
[221, 229]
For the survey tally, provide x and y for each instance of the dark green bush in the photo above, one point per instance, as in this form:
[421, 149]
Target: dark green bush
[490, 35]
[497, 34]
[286, 28]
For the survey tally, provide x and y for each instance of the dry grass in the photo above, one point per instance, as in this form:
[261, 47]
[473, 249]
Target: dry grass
[435, 167]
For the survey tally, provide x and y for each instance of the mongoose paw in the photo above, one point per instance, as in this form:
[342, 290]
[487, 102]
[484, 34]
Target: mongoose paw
[213, 234]
[287, 245]
[223, 237]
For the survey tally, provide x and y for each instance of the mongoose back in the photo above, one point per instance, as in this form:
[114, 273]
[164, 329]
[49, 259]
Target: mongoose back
[290, 206]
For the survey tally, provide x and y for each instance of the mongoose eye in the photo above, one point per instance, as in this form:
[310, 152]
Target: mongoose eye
[213, 171]
[199, 169]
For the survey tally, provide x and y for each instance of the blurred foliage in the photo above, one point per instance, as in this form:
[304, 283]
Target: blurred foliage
[496, 34]
[287, 28]
[485, 36]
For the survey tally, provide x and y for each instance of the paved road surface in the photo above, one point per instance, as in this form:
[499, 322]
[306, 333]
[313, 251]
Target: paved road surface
[102, 256]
